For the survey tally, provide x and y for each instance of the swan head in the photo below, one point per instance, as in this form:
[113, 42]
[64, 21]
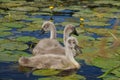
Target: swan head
[47, 26]
[23, 61]
[72, 43]
[70, 29]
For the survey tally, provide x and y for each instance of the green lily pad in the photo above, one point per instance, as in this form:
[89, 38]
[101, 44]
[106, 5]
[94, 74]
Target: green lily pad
[105, 63]
[50, 78]
[14, 46]
[13, 25]
[2, 41]
[73, 23]
[3, 33]
[83, 37]
[96, 23]
[12, 4]
[34, 19]
[116, 72]
[46, 72]
[12, 55]
[40, 13]
[12, 16]
[5, 0]
[110, 77]
[26, 39]
[4, 28]
[25, 8]
[74, 77]
[74, 7]
[86, 13]
[31, 27]
[70, 77]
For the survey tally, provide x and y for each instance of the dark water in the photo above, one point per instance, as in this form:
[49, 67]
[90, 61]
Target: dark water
[10, 70]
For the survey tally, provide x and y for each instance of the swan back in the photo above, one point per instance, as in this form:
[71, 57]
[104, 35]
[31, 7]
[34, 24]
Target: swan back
[52, 61]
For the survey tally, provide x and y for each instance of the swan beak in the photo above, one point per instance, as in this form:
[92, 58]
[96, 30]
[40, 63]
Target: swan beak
[75, 32]
[42, 31]
[78, 48]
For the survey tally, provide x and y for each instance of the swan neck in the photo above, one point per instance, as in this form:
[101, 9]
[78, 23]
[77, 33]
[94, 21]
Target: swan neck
[52, 32]
[70, 55]
[65, 36]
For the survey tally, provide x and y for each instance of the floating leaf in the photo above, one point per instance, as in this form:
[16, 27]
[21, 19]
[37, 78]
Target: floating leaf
[31, 27]
[96, 23]
[110, 77]
[14, 46]
[25, 8]
[34, 19]
[74, 77]
[73, 23]
[70, 77]
[46, 72]
[3, 33]
[12, 55]
[105, 63]
[26, 39]
[50, 78]
[5, 0]
[4, 28]
[13, 25]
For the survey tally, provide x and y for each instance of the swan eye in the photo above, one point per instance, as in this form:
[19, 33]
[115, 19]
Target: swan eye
[69, 41]
[73, 42]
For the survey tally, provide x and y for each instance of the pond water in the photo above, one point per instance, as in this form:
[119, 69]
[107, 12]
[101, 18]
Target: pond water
[10, 70]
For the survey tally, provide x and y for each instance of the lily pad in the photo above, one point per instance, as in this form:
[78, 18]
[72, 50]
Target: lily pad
[13, 25]
[74, 77]
[73, 23]
[31, 27]
[96, 23]
[46, 72]
[105, 63]
[5, 0]
[14, 46]
[25, 8]
[12, 55]
[50, 78]
[3, 33]
[110, 77]
[26, 39]
[12, 4]
[4, 28]
[70, 77]
[14, 16]
[34, 19]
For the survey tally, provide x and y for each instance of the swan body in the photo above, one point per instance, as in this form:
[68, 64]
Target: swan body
[52, 61]
[47, 43]
[50, 46]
